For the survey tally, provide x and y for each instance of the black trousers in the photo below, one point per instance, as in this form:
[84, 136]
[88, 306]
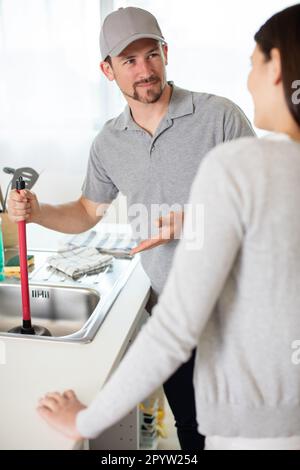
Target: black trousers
[179, 390]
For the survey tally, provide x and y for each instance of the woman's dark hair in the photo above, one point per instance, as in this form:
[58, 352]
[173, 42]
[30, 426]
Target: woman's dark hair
[282, 31]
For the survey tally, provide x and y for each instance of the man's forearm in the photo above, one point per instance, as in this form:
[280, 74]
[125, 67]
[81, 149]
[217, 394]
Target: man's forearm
[67, 218]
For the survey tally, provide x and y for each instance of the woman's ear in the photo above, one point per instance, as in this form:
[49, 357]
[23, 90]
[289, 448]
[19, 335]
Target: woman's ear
[275, 66]
[107, 69]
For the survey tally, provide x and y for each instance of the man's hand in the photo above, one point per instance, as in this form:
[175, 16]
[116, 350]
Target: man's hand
[23, 206]
[60, 411]
[170, 228]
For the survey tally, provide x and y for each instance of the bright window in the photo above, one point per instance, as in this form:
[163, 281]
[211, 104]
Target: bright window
[49, 59]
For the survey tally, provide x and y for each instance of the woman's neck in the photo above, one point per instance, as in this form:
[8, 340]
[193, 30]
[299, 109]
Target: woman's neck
[284, 123]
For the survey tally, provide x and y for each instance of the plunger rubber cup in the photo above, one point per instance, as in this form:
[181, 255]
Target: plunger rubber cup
[36, 330]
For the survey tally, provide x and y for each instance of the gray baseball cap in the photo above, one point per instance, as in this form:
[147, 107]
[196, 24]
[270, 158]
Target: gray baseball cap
[125, 25]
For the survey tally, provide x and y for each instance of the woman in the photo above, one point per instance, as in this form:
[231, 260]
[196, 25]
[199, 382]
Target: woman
[237, 297]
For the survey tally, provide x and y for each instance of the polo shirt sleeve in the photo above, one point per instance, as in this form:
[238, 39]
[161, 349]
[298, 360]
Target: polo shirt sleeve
[98, 186]
[236, 124]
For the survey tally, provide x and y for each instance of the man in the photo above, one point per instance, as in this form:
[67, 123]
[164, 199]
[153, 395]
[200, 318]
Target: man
[150, 153]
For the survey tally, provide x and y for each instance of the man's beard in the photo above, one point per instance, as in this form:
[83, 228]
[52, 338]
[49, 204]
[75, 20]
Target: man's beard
[152, 95]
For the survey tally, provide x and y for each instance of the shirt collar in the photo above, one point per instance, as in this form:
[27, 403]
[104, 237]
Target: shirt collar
[181, 104]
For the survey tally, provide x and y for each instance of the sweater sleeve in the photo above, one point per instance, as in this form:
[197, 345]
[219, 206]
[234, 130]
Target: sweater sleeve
[212, 237]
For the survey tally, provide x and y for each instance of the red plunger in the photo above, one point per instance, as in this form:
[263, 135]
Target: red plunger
[27, 328]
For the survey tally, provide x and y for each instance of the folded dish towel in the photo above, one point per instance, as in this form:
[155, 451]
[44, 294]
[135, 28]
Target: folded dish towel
[80, 261]
[117, 245]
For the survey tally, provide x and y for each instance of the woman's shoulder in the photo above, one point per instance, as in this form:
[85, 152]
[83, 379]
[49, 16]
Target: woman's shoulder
[252, 150]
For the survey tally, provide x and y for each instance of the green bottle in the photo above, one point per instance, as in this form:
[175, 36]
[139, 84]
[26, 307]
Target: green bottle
[1, 254]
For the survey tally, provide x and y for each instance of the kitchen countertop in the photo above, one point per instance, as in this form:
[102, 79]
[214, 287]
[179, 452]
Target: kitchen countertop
[30, 368]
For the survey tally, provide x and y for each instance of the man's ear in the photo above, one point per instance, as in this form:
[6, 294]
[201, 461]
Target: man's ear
[165, 52]
[107, 69]
[275, 66]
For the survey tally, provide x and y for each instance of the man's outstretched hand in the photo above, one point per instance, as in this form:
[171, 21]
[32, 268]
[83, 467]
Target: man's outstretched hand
[170, 228]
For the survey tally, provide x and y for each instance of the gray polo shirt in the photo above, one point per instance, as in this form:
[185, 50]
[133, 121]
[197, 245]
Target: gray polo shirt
[159, 170]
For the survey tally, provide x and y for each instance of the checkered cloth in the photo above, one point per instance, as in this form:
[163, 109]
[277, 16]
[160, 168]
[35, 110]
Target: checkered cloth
[80, 261]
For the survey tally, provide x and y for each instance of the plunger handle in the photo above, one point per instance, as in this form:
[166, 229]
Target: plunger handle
[20, 184]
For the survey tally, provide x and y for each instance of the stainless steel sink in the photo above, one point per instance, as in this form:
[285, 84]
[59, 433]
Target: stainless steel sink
[72, 310]
[64, 310]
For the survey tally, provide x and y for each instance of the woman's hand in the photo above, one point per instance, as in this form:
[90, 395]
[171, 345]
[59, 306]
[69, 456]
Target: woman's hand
[60, 411]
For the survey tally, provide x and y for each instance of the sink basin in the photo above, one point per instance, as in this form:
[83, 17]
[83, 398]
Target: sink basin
[63, 310]
[71, 310]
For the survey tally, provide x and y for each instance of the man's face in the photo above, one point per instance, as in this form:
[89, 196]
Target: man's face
[140, 70]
